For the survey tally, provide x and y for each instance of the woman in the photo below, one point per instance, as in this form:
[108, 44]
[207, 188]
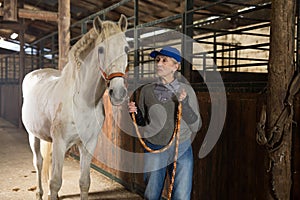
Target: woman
[156, 111]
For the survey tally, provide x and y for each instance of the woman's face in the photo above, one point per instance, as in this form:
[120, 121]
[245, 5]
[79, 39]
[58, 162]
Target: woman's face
[166, 67]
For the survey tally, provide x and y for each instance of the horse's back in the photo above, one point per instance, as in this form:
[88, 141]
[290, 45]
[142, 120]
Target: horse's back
[39, 77]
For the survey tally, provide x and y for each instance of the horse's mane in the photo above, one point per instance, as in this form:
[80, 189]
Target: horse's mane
[88, 41]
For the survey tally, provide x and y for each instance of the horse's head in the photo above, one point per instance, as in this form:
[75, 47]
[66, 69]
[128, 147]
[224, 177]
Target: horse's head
[99, 55]
[112, 49]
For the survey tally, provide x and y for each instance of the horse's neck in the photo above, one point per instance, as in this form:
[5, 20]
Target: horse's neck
[90, 86]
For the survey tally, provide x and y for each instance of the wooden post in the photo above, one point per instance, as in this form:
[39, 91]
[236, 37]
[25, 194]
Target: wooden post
[281, 69]
[21, 66]
[21, 62]
[10, 10]
[64, 21]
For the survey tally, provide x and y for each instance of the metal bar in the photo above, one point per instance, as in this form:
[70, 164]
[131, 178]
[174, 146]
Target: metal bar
[229, 56]
[187, 44]
[240, 4]
[236, 57]
[204, 67]
[253, 19]
[212, 43]
[239, 31]
[2, 73]
[136, 41]
[32, 60]
[255, 46]
[52, 49]
[222, 15]
[207, 13]
[83, 27]
[243, 65]
[101, 12]
[6, 68]
[239, 58]
[258, 7]
[14, 68]
[207, 6]
[86, 19]
[215, 48]
[155, 22]
[41, 55]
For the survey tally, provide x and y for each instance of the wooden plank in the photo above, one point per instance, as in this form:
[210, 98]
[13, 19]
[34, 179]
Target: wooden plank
[12, 26]
[35, 14]
[38, 15]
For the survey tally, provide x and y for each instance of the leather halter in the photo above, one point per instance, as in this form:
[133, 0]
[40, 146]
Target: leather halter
[112, 75]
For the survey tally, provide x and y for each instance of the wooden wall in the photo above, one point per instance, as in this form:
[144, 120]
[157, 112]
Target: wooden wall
[236, 167]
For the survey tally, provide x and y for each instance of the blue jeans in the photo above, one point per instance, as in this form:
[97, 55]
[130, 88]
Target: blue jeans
[156, 166]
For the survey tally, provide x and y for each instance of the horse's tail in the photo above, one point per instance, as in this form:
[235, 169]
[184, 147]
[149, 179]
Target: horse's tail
[46, 151]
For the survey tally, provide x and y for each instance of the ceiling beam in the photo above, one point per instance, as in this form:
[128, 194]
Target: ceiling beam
[35, 14]
[12, 26]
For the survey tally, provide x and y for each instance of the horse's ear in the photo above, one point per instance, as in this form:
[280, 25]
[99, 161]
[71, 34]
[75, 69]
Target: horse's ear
[123, 23]
[97, 23]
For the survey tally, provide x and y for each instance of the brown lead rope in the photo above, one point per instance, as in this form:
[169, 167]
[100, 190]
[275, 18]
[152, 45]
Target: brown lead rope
[175, 133]
[177, 128]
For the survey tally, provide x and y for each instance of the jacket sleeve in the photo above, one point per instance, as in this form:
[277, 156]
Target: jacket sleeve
[190, 110]
[140, 121]
[188, 114]
[139, 115]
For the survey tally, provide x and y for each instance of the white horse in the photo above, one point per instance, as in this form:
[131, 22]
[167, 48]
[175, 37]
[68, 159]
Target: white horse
[65, 107]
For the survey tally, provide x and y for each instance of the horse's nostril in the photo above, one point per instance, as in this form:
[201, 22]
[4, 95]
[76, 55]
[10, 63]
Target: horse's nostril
[110, 92]
[117, 95]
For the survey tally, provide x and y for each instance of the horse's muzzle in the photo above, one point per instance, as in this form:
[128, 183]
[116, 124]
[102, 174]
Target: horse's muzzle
[117, 95]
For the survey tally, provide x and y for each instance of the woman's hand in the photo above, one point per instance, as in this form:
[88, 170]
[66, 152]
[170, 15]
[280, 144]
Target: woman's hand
[182, 95]
[132, 107]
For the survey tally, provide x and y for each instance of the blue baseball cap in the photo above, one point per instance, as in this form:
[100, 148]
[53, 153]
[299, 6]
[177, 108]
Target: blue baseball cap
[167, 51]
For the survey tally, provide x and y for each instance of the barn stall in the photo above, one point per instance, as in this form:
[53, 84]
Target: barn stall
[239, 44]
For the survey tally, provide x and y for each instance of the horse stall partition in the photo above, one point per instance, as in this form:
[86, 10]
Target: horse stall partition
[9, 88]
[9, 102]
[10, 91]
[234, 169]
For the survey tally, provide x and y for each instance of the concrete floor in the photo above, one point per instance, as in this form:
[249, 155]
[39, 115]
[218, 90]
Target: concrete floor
[17, 174]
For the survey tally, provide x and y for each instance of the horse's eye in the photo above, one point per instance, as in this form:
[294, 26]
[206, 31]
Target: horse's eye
[100, 50]
[126, 49]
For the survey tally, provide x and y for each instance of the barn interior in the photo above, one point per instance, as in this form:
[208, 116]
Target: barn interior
[226, 51]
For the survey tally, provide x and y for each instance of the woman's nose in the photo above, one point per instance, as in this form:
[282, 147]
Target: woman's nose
[159, 64]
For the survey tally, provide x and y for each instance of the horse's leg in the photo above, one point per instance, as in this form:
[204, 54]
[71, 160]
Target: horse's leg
[85, 161]
[58, 156]
[46, 151]
[37, 162]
